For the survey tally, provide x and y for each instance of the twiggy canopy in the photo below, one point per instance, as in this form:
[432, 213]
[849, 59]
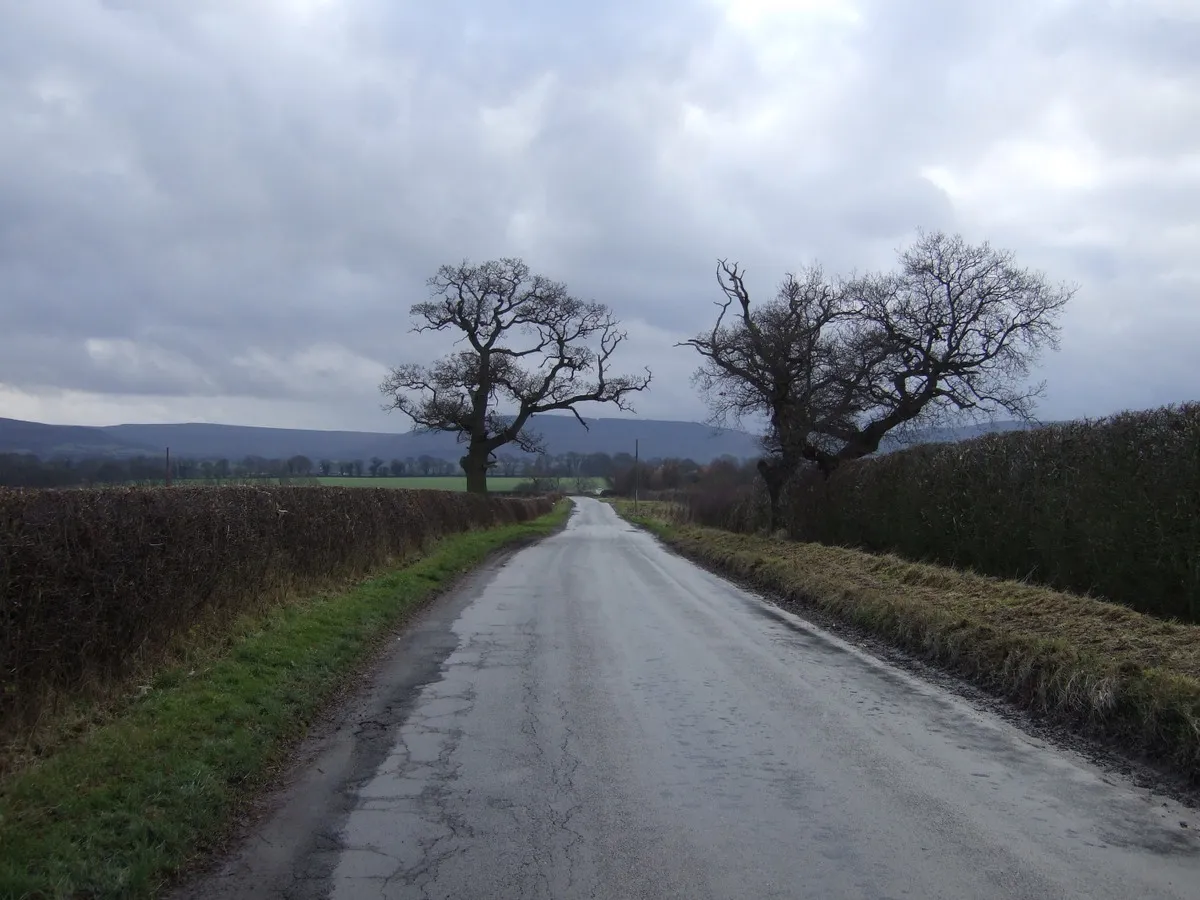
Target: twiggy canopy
[530, 346]
[836, 364]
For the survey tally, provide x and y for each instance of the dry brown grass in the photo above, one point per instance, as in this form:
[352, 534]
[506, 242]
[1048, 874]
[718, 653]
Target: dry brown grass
[1097, 665]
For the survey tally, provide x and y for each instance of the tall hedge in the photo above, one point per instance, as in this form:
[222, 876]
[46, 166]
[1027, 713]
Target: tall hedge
[1110, 507]
[89, 579]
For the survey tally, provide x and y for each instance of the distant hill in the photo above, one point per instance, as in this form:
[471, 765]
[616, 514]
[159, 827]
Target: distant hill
[73, 441]
[563, 434]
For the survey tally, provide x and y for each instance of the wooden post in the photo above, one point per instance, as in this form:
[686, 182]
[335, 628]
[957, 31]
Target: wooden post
[168, 467]
[637, 476]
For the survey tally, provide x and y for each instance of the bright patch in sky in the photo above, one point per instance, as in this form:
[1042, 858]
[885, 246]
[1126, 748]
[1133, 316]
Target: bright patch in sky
[766, 13]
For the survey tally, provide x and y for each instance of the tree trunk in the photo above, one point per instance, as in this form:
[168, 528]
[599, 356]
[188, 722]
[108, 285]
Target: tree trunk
[774, 489]
[475, 465]
[776, 474]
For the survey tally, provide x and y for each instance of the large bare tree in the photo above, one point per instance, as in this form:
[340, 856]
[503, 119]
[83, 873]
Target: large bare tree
[779, 360]
[530, 346]
[835, 365]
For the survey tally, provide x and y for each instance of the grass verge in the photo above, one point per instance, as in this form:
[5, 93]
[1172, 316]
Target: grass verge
[138, 799]
[1100, 667]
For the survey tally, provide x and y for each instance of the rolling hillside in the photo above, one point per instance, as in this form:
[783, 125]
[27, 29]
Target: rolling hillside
[563, 434]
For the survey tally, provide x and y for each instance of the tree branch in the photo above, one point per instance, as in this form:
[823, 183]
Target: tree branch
[532, 346]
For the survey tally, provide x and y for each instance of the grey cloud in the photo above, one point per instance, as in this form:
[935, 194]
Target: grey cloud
[218, 201]
[1153, 36]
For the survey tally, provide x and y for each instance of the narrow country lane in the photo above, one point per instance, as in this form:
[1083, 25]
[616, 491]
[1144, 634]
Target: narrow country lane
[597, 718]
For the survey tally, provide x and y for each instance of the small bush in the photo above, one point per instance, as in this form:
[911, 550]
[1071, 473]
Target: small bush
[731, 507]
[93, 580]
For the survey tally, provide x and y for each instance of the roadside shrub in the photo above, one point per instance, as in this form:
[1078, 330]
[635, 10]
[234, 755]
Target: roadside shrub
[537, 485]
[731, 507]
[94, 579]
[1108, 507]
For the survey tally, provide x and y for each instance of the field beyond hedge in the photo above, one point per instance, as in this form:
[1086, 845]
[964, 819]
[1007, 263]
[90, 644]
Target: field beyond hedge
[499, 483]
[417, 482]
[96, 582]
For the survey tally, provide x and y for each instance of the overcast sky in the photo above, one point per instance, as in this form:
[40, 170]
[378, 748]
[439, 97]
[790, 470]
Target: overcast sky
[222, 210]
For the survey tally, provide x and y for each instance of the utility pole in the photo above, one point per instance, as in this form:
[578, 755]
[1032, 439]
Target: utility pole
[168, 467]
[637, 476]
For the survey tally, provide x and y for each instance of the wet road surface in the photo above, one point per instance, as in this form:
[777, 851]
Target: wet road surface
[597, 718]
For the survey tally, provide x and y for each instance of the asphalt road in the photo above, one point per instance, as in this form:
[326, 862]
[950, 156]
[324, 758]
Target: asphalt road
[595, 717]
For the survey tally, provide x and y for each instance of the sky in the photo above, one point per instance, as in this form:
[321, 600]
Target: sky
[222, 210]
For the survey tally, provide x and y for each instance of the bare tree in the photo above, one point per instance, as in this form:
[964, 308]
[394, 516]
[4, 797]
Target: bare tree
[299, 465]
[530, 346]
[835, 366]
[574, 462]
[778, 360]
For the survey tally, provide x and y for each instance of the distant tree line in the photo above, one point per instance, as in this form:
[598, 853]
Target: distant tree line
[674, 474]
[29, 470]
[564, 469]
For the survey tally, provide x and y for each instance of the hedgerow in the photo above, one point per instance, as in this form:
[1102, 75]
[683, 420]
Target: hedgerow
[1109, 508]
[92, 581]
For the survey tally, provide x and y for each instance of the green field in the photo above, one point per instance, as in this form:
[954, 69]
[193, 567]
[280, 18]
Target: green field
[443, 482]
[497, 483]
